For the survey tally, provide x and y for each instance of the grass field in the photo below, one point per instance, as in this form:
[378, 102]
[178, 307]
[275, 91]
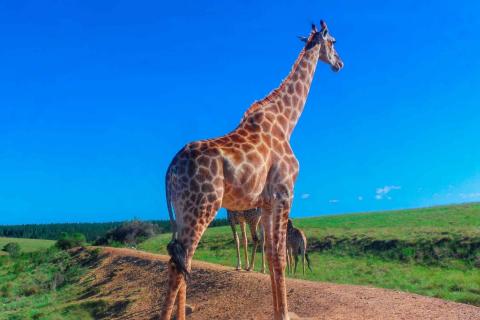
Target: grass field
[350, 258]
[27, 245]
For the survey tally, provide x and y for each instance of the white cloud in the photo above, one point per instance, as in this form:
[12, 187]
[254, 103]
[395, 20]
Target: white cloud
[470, 195]
[359, 198]
[381, 193]
[305, 195]
[333, 201]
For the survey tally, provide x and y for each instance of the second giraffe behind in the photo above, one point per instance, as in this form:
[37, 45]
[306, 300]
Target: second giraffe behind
[296, 245]
[252, 218]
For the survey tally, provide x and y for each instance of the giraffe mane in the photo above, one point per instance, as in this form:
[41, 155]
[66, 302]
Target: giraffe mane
[257, 105]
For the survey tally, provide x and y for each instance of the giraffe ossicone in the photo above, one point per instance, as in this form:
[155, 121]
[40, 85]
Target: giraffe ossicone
[252, 166]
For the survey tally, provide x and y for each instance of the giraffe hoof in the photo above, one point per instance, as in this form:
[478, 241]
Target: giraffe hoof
[248, 269]
[293, 316]
[238, 269]
[188, 311]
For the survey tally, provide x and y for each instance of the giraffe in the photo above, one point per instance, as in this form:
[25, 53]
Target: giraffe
[296, 245]
[252, 166]
[252, 218]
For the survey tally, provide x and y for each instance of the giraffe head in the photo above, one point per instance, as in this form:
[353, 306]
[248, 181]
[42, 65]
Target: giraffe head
[324, 42]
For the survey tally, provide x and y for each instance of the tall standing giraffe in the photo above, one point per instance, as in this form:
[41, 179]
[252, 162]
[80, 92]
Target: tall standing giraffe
[252, 166]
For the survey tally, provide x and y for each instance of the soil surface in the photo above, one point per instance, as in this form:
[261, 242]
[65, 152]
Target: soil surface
[133, 282]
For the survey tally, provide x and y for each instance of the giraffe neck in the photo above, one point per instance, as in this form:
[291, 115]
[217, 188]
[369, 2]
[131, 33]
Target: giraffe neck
[287, 101]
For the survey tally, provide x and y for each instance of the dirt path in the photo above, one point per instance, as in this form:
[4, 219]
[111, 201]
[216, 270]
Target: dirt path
[134, 282]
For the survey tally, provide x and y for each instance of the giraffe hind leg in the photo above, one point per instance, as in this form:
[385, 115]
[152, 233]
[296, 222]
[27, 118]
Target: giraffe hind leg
[177, 272]
[181, 300]
[181, 250]
[253, 232]
[175, 279]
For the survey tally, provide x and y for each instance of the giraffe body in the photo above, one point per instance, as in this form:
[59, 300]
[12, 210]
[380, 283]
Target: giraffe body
[252, 219]
[252, 166]
[296, 246]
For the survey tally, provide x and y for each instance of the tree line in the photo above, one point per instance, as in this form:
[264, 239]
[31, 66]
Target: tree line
[91, 231]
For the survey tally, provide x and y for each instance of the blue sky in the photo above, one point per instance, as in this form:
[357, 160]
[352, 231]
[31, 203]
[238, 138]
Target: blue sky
[97, 97]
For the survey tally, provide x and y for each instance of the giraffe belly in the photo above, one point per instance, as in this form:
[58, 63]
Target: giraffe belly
[243, 192]
[235, 202]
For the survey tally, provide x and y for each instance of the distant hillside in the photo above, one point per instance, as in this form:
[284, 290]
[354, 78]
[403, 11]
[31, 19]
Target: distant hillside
[451, 231]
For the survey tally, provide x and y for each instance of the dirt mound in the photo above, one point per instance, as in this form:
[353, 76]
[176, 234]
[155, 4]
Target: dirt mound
[134, 282]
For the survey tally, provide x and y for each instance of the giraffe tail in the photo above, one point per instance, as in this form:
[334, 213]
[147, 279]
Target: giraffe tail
[168, 195]
[175, 248]
[178, 256]
[308, 262]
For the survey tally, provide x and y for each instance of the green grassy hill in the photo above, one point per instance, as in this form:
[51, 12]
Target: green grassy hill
[27, 245]
[430, 251]
[46, 284]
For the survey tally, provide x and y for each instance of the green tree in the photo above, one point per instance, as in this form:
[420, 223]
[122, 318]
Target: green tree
[12, 248]
[68, 241]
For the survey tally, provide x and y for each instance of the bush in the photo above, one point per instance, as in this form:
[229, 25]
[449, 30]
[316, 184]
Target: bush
[129, 233]
[29, 290]
[477, 262]
[12, 248]
[6, 290]
[68, 241]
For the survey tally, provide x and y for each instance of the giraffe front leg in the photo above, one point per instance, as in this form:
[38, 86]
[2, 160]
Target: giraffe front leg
[245, 245]
[282, 199]
[262, 245]
[268, 245]
[237, 246]
[288, 261]
[303, 262]
[296, 262]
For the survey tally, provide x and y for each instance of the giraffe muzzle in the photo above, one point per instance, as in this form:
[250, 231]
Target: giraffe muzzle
[337, 66]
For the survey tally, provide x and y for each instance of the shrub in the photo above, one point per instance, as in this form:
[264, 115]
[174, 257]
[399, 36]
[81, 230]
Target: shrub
[68, 241]
[12, 248]
[129, 233]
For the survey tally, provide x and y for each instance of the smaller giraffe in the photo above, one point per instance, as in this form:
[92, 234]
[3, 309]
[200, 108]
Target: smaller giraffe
[296, 245]
[251, 217]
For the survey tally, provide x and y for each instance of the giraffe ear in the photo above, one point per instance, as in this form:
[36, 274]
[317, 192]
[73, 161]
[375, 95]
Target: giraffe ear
[314, 27]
